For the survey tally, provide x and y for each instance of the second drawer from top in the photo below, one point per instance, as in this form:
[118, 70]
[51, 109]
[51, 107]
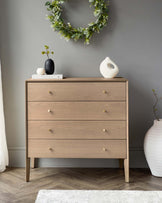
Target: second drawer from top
[76, 110]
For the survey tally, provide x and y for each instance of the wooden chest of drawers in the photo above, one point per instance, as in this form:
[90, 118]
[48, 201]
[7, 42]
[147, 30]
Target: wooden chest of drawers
[77, 118]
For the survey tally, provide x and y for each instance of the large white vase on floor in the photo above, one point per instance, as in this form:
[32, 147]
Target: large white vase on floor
[153, 148]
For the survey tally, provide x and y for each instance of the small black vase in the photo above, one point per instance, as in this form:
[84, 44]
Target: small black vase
[49, 66]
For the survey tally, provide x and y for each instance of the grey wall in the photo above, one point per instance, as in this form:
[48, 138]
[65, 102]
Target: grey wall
[133, 39]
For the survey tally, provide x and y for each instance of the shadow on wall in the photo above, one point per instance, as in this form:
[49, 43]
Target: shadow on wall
[7, 71]
[140, 113]
[4, 34]
[5, 42]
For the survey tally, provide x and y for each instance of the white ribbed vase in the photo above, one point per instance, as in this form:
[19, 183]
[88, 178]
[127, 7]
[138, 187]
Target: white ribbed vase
[153, 148]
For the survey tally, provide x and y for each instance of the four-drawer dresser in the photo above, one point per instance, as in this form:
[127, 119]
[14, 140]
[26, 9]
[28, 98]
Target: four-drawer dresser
[77, 118]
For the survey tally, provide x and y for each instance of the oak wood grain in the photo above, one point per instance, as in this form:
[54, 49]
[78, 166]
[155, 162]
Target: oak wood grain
[82, 91]
[126, 161]
[77, 129]
[77, 148]
[76, 111]
[79, 79]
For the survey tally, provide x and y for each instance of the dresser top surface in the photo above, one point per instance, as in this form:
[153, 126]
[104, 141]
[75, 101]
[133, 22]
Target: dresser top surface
[92, 79]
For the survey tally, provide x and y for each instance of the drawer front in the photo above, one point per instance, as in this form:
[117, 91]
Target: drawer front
[76, 91]
[76, 111]
[77, 129]
[77, 148]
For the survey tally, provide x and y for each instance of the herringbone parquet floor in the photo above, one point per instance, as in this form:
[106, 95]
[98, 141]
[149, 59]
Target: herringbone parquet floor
[13, 187]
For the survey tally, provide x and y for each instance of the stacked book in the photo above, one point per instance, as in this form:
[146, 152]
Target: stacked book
[54, 76]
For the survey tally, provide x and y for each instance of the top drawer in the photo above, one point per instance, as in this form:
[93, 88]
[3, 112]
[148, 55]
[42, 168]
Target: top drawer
[78, 91]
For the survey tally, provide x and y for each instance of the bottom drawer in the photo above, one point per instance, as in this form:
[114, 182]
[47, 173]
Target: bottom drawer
[77, 148]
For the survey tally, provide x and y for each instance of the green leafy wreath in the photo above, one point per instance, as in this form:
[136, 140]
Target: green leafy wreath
[69, 32]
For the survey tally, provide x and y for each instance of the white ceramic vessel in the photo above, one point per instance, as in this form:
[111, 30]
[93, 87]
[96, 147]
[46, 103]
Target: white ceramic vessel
[108, 68]
[40, 71]
[153, 148]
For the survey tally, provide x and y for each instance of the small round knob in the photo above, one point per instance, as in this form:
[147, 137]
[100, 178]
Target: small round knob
[50, 130]
[104, 92]
[104, 130]
[50, 92]
[104, 111]
[49, 111]
[104, 149]
[50, 149]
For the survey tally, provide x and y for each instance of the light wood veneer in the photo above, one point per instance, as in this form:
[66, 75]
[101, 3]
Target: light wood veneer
[77, 130]
[77, 118]
[89, 91]
[76, 111]
[77, 148]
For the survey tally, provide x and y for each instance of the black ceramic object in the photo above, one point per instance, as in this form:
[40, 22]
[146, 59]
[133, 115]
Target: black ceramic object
[49, 66]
